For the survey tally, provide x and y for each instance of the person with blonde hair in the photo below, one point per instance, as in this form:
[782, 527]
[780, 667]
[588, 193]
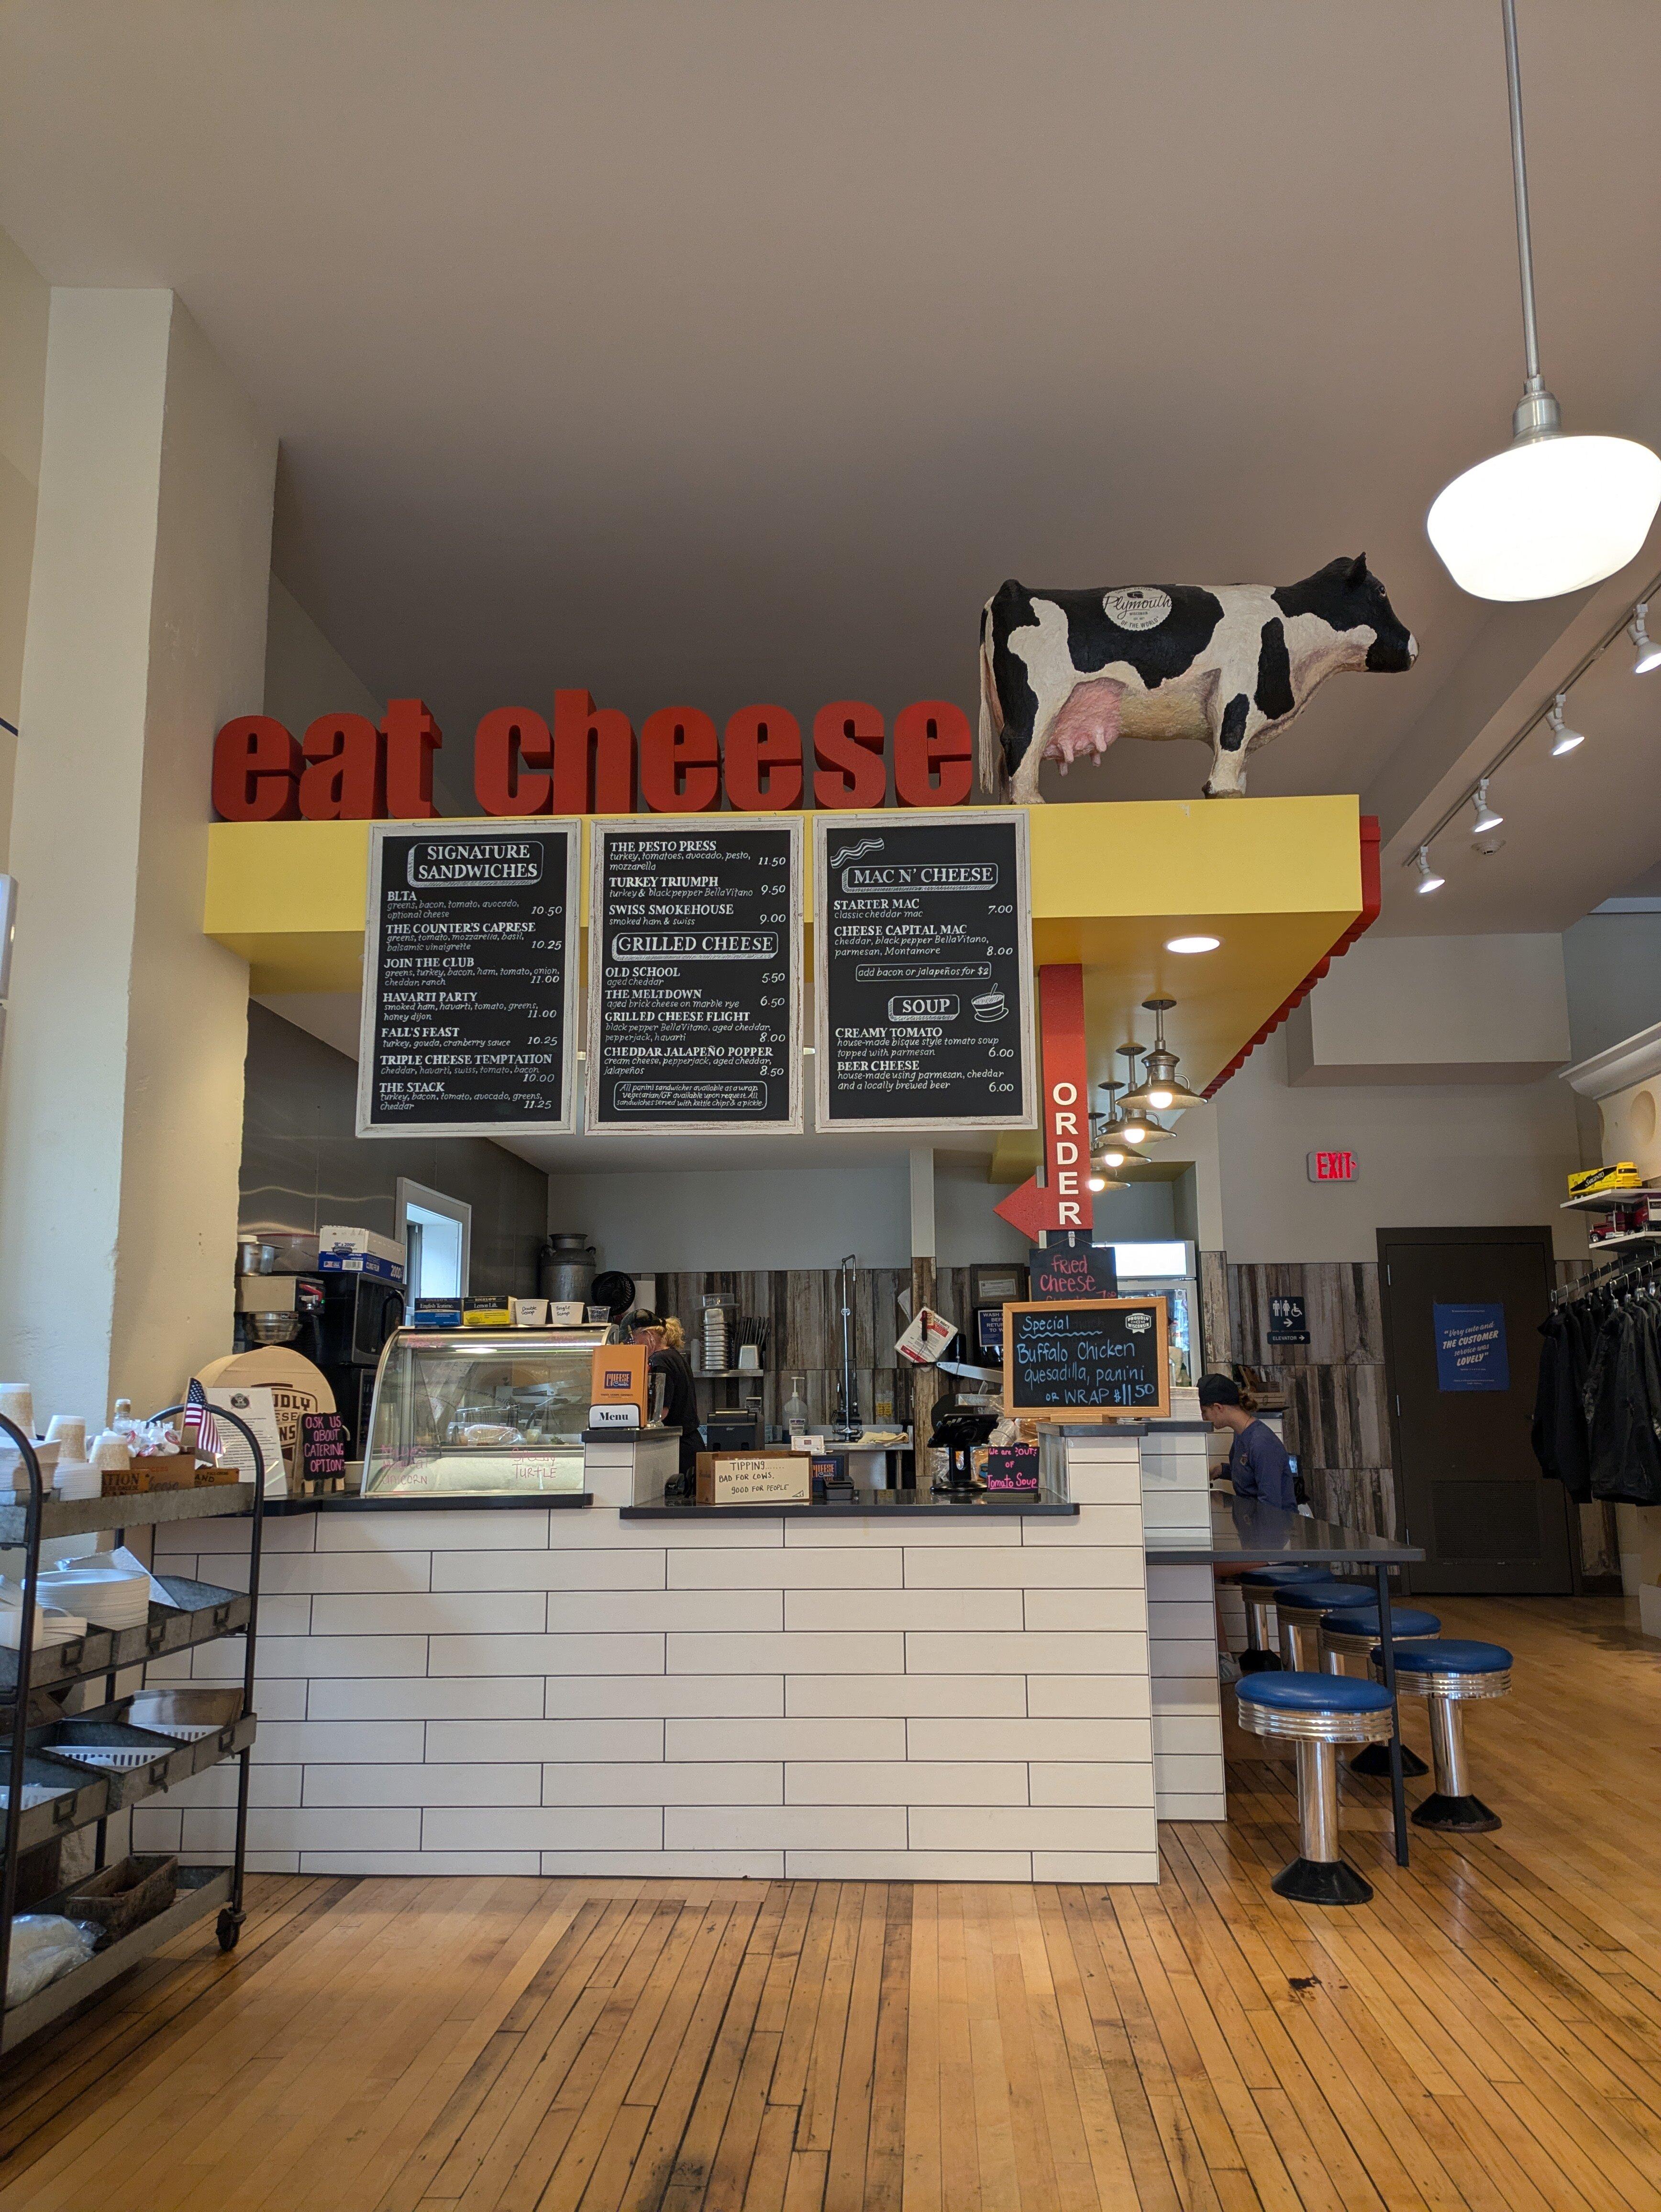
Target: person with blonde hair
[665, 1346]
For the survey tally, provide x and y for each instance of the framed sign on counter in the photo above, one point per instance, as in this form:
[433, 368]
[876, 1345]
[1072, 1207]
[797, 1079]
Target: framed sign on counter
[922, 963]
[470, 959]
[695, 970]
[1089, 1360]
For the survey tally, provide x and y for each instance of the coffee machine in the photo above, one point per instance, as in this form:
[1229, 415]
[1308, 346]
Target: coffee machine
[339, 1322]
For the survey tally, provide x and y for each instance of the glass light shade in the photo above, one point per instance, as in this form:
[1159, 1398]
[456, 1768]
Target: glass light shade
[1546, 516]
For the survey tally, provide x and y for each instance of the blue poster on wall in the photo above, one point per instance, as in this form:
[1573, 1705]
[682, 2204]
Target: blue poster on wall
[1471, 1348]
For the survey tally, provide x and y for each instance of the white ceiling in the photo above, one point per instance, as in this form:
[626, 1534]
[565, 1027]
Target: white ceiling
[718, 354]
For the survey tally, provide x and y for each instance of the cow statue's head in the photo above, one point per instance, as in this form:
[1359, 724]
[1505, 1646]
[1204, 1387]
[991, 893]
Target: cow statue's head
[1065, 673]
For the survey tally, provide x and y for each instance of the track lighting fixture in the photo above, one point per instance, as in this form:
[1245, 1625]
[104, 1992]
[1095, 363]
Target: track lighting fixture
[1648, 653]
[1428, 879]
[1486, 819]
[1563, 739]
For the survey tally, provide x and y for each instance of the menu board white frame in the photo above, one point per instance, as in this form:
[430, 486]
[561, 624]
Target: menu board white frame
[827, 825]
[680, 825]
[530, 825]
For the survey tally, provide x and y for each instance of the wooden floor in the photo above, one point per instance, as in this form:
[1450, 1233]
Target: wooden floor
[1487, 2032]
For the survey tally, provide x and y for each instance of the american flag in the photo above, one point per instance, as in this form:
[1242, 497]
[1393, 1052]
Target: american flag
[199, 1422]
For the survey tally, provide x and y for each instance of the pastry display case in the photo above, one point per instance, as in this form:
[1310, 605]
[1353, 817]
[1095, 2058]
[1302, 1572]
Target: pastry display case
[481, 1412]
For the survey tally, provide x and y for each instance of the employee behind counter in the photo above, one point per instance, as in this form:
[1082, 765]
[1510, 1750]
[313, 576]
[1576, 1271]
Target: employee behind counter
[1258, 1465]
[665, 1340]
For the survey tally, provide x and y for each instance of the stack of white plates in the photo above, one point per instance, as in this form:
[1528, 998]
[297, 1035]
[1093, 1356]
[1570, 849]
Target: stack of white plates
[13, 1476]
[111, 1595]
[51, 1624]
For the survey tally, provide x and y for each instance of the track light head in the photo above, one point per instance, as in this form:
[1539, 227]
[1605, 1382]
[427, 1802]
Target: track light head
[1486, 819]
[1646, 654]
[1428, 879]
[1563, 739]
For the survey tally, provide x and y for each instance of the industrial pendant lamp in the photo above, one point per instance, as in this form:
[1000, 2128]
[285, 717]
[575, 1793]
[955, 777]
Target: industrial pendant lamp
[1551, 514]
[1159, 1089]
[1107, 1149]
[1137, 1125]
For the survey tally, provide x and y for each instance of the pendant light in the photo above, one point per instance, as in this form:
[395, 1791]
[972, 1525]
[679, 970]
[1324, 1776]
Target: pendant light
[1550, 514]
[1107, 1148]
[1160, 1089]
[1137, 1125]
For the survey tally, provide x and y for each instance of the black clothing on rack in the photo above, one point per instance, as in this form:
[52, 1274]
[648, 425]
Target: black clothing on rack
[1596, 1425]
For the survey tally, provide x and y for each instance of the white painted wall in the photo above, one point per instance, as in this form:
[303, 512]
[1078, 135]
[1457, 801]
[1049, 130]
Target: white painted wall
[1459, 1157]
[23, 305]
[1434, 1010]
[121, 1091]
[305, 677]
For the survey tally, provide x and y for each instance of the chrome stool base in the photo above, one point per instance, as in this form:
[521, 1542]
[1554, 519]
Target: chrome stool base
[1455, 1816]
[1322, 1881]
[1374, 1759]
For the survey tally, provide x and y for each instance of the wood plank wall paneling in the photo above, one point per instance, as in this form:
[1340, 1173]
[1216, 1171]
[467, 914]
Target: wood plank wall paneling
[1337, 1418]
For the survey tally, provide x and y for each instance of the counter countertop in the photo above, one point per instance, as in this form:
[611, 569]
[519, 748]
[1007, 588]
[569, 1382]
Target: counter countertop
[891, 1504]
[353, 1501]
[1245, 1531]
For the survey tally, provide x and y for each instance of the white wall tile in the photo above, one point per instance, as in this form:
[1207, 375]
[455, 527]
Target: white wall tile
[786, 1739]
[673, 1866]
[558, 1568]
[509, 1697]
[156, 1827]
[601, 1529]
[436, 1612]
[1188, 1658]
[339, 1743]
[542, 1740]
[949, 1533]
[849, 1695]
[267, 1785]
[346, 1571]
[908, 1866]
[605, 1612]
[1195, 1620]
[301, 1827]
[514, 1528]
[281, 1656]
[673, 1695]
[714, 1782]
[284, 1616]
[543, 1828]
[421, 1784]
[174, 1667]
[1169, 1581]
[1096, 1866]
[977, 1609]
[960, 1739]
[1032, 1828]
[1082, 1566]
[1088, 1696]
[1091, 1782]
[426, 1862]
[1118, 1526]
[1190, 1772]
[903, 1781]
[693, 1653]
[231, 1534]
[841, 1566]
[1179, 1807]
[1086, 1609]
[1178, 1733]
[276, 1701]
[1105, 1484]
[1053, 1652]
[785, 1827]
[547, 1655]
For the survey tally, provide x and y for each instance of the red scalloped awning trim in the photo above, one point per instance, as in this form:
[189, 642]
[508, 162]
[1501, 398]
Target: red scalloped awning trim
[1372, 901]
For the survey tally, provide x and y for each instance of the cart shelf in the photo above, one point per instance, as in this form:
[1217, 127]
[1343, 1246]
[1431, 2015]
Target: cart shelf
[202, 1890]
[203, 1613]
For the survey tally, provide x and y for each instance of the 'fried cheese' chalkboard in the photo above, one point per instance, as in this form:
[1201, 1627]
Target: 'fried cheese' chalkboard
[923, 971]
[469, 980]
[695, 966]
[1090, 1360]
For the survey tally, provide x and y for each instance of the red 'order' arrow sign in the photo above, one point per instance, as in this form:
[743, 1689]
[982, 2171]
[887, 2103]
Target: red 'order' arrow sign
[1062, 1201]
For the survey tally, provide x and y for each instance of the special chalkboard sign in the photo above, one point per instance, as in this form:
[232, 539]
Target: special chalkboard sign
[923, 949]
[1091, 1360]
[1070, 1266]
[695, 964]
[469, 980]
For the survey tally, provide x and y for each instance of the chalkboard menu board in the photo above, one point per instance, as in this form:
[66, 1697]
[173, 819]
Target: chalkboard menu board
[469, 980]
[923, 971]
[1071, 1267]
[695, 965]
[1087, 1360]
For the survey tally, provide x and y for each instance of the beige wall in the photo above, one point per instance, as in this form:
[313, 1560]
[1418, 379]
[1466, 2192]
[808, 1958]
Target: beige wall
[305, 677]
[1434, 1010]
[23, 304]
[121, 1088]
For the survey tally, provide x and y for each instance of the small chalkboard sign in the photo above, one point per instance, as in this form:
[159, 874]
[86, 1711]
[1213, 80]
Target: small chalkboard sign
[1071, 1267]
[323, 1452]
[1011, 1466]
[1088, 1359]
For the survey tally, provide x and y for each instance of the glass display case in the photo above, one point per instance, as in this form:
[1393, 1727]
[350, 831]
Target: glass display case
[481, 1412]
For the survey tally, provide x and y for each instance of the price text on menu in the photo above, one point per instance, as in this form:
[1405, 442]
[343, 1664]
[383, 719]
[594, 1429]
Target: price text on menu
[923, 950]
[470, 977]
[694, 978]
[1093, 1357]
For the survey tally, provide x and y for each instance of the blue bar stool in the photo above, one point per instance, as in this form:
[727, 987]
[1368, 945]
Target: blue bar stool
[1258, 1588]
[1317, 1712]
[1350, 1633]
[1301, 1608]
[1450, 1672]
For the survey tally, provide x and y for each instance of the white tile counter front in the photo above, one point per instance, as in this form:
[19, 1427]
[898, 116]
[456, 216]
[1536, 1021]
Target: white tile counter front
[961, 1699]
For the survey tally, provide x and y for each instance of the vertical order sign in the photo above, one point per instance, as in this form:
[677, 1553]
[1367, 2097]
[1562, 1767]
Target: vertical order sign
[469, 980]
[923, 959]
[695, 961]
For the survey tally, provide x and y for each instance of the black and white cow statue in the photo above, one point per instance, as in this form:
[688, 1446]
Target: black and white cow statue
[1064, 673]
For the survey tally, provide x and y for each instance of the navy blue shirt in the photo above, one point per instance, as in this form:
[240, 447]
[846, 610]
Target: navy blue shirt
[1259, 1468]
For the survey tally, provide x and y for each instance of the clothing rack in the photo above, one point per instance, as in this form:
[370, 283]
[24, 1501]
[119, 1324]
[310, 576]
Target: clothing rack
[1614, 1276]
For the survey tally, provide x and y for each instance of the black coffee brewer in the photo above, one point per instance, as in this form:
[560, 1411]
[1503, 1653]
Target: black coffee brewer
[961, 1426]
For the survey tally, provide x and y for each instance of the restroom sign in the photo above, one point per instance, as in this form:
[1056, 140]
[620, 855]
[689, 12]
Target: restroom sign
[1334, 1167]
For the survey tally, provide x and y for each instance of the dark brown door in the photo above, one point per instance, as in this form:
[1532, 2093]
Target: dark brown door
[1461, 1312]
